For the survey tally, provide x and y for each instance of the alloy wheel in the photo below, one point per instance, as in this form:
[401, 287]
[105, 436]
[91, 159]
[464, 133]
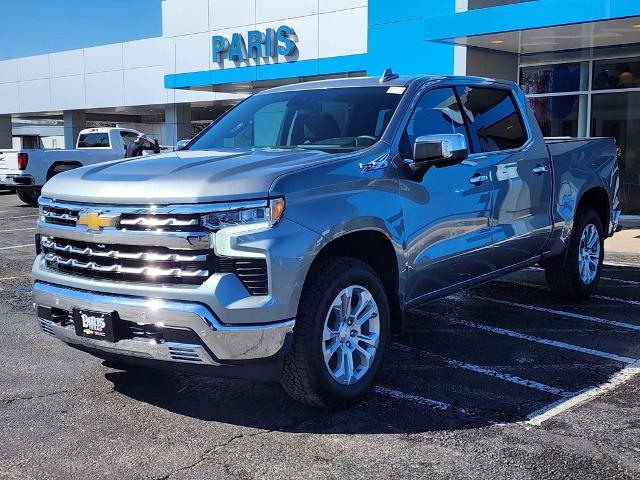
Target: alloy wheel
[351, 334]
[589, 254]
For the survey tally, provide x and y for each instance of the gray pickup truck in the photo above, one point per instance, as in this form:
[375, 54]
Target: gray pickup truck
[288, 239]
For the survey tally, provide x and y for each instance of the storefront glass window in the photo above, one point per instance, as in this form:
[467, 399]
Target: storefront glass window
[617, 115]
[557, 116]
[620, 73]
[584, 98]
[564, 77]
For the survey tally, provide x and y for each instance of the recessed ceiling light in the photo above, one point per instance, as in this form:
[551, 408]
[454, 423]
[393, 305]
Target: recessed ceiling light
[497, 42]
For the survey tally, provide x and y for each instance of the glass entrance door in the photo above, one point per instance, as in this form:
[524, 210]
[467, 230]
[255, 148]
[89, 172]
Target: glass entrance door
[617, 115]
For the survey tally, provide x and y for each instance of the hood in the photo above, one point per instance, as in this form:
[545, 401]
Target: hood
[181, 177]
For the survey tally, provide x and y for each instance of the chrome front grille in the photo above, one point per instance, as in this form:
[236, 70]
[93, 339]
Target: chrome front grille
[128, 218]
[128, 263]
[59, 215]
[162, 245]
[151, 222]
[66, 246]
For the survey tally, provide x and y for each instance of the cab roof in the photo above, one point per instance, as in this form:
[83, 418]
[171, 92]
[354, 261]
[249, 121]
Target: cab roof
[400, 81]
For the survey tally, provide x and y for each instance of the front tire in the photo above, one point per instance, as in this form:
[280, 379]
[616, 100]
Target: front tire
[29, 195]
[340, 336]
[578, 276]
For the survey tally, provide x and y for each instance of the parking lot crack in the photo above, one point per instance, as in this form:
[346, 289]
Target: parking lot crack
[8, 401]
[207, 455]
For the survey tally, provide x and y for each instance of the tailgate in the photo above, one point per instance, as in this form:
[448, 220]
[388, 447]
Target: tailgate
[8, 161]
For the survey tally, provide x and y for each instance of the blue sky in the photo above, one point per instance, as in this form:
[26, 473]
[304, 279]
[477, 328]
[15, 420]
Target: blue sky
[33, 27]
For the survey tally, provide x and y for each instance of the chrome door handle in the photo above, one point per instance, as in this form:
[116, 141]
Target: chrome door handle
[540, 169]
[478, 179]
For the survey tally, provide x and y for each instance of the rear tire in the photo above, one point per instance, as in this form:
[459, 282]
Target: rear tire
[578, 276]
[29, 195]
[340, 335]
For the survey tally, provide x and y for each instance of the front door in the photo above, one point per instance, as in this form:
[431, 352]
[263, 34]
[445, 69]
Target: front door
[446, 213]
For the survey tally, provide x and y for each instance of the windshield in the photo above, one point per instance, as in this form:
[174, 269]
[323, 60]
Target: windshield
[333, 120]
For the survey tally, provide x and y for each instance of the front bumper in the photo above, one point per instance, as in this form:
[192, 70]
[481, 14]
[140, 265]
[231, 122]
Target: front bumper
[213, 343]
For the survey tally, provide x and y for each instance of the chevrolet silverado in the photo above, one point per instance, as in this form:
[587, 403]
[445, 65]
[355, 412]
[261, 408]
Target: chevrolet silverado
[288, 240]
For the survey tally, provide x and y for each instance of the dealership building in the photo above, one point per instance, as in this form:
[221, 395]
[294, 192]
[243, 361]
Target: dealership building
[577, 60]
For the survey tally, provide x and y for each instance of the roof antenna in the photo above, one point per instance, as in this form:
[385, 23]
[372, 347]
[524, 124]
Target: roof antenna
[388, 75]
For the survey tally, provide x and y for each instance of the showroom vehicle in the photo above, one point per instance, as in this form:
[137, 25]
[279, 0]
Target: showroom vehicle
[288, 239]
[26, 170]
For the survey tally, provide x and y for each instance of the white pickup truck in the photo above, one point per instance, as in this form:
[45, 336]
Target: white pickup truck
[27, 170]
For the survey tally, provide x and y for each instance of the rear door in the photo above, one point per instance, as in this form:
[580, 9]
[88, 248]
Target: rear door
[521, 173]
[446, 213]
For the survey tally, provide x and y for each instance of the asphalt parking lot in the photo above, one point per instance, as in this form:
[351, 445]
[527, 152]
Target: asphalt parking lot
[503, 381]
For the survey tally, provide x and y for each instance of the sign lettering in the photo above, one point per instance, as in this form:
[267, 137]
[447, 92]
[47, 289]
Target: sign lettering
[270, 43]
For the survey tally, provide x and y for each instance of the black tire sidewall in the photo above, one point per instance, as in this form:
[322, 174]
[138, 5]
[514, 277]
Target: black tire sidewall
[333, 393]
[585, 217]
[29, 196]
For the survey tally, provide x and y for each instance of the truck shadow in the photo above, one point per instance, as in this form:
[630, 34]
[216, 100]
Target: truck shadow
[447, 372]
[266, 406]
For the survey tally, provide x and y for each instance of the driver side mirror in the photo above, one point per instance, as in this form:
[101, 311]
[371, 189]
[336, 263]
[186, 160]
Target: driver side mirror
[437, 150]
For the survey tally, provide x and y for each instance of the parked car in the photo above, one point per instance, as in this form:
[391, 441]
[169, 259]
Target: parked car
[288, 242]
[27, 170]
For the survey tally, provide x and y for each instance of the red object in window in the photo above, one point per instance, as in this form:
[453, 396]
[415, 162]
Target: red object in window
[23, 159]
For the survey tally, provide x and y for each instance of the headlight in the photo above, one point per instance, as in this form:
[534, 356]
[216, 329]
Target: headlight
[226, 226]
[266, 215]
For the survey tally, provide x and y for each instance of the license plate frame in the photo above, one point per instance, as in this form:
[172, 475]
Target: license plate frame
[95, 325]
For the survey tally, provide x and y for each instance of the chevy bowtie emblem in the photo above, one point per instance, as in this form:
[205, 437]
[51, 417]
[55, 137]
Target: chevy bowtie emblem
[94, 220]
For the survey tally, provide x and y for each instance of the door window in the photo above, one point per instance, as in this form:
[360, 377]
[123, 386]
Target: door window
[494, 116]
[128, 137]
[437, 112]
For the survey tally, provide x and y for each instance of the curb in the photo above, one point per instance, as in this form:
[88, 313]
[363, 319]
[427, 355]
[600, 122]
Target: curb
[630, 221]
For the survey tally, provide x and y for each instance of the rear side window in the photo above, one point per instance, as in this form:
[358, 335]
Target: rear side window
[93, 140]
[493, 115]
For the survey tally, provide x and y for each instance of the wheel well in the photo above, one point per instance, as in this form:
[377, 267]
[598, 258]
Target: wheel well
[375, 249]
[598, 200]
[55, 165]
